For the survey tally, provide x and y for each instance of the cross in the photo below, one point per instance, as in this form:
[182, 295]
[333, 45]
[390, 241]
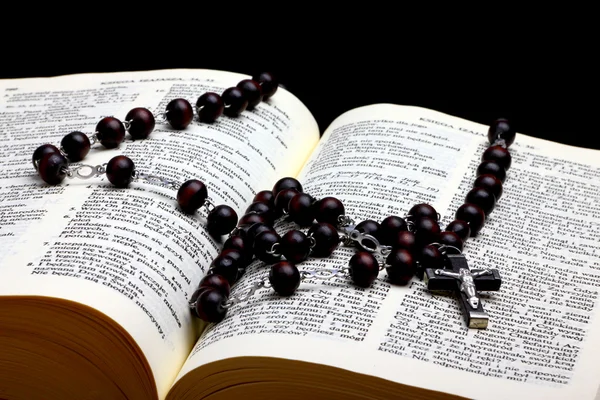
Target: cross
[466, 282]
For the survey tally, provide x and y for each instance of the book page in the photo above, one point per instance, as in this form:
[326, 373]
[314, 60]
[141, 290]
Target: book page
[542, 339]
[131, 253]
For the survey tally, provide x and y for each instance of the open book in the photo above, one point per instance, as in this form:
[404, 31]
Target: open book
[95, 281]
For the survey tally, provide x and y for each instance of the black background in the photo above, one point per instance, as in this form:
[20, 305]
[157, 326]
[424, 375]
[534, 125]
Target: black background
[548, 88]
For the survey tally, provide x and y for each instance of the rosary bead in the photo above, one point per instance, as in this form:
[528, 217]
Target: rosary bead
[119, 171]
[329, 209]
[234, 101]
[282, 201]
[251, 219]
[452, 239]
[498, 154]
[267, 82]
[265, 196]
[364, 268]
[252, 92]
[491, 183]
[473, 215]
[225, 266]
[294, 246]
[405, 240]
[427, 230]
[301, 209]
[216, 281]
[389, 228]
[141, 122]
[460, 227]
[210, 107]
[179, 113]
[264, 209]
[284, 278]
[238, 257]
[401, 266]
[255, 230]
[501, 129]
[76, 146]
[421, 210]
[41, 152]
[110, 132]
[191, 195]
[326, 239]
[369, 227]
[221, 220]
[492, 168]
[483, 198]
[286, 183]
[209, 306]
[263, 245]
[242, 245]
[52, 168]
[431, 257]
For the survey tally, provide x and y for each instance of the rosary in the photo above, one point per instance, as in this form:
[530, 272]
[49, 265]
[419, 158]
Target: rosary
[413, 245]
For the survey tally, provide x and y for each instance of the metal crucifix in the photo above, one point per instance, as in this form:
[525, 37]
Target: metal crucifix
[466, 283]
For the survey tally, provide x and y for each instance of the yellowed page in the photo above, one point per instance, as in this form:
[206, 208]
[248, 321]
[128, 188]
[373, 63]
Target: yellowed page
[543, 337]
[130, 253]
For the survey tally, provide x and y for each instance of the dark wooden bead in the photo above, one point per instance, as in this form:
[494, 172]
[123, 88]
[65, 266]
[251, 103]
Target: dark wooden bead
[461, 228]
[364, 269]
[389, 228]
[252, 92]
[301, 209]
[369, 227]
[430, 257]
[286, 183]
[427, 230]
[41, 152]
[405, 240]
[255, 230]
[242, 245]
[76, 145]
[294, 246]
[501, 129]
[192, 195]
[141, 122]
[225, 266]
[195, 297]
[401, 266]
[264, 209]
[284, 278]
[221, 220]
[483, 198]
[209, 306]
[326, 239]
[492, 168]
[491, 183]
[119, 171]
[239, 258]
[253, 218]
[329, 209]
[268, 83]
[110, 132]
[179, 113]
[498, 154]
[210, 107]
[216, 281]
[421, 210]
[473, 215]
[52, 168]
[263, 244]
[265, 196]
[235, 102]
[282, 201]
[450, 238]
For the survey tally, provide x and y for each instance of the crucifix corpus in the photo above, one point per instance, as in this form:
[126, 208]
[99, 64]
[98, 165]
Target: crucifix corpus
[466, 283]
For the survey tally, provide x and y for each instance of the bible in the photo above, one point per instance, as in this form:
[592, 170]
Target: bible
[95, 280]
